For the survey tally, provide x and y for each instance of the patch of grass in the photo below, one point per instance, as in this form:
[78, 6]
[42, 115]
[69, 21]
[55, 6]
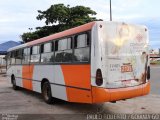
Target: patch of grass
[155, 62]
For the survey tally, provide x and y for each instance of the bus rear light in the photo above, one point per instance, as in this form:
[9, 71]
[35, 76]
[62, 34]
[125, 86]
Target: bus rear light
[99, 79]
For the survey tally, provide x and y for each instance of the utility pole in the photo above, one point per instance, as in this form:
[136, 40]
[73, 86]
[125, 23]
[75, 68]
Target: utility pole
[110, 10]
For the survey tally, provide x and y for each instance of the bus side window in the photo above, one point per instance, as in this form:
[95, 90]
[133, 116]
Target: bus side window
[81, 40]
[81, 48]
[53, 47]
[42, 48]
[46, 52]
[25, 55]
[56, 45]
[8, 58]
[18, 56]
[63, 50]
[35, 54]
[13, 60]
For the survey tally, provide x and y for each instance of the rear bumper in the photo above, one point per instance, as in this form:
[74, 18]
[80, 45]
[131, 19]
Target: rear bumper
[106, 95]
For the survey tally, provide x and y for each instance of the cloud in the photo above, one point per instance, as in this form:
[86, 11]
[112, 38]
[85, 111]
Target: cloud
[17, 16]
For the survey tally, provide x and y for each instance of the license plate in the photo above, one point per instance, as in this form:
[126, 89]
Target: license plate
[126, 68]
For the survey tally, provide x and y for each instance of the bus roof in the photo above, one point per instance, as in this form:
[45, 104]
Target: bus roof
[68, 32]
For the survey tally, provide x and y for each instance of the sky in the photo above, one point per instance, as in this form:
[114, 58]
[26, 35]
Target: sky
[16, 16]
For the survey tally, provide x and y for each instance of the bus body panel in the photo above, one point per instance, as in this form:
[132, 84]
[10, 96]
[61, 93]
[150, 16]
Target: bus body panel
[17, 71]
[95, 53]
[77, 81]
[66, 81]
[52, 73]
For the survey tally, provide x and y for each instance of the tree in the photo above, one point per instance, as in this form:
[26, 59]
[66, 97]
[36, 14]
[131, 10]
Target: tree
[58, 18]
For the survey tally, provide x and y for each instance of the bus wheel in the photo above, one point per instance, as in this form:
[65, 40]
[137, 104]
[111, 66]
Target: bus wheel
[14, 86]
[46, 93]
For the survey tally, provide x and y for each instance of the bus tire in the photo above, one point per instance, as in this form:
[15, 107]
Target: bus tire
[14, 86]
[46, 92]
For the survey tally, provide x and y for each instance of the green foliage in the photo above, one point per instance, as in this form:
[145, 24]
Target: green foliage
[155, 62]
[58, 18]
[27, 37]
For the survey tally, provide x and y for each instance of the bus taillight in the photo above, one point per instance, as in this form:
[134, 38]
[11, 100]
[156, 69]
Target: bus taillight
[99, 79]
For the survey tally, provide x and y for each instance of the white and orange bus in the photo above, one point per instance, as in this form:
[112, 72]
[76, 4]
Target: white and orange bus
[96, 62]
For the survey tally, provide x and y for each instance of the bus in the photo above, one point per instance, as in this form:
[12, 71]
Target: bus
[93, 63]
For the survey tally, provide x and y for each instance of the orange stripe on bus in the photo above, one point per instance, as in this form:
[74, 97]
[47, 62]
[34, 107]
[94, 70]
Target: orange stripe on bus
[78, 95]
[27, 72]
[77, 76]
[105, 95]
[146, 88]
[124, 93]
[100, 95]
